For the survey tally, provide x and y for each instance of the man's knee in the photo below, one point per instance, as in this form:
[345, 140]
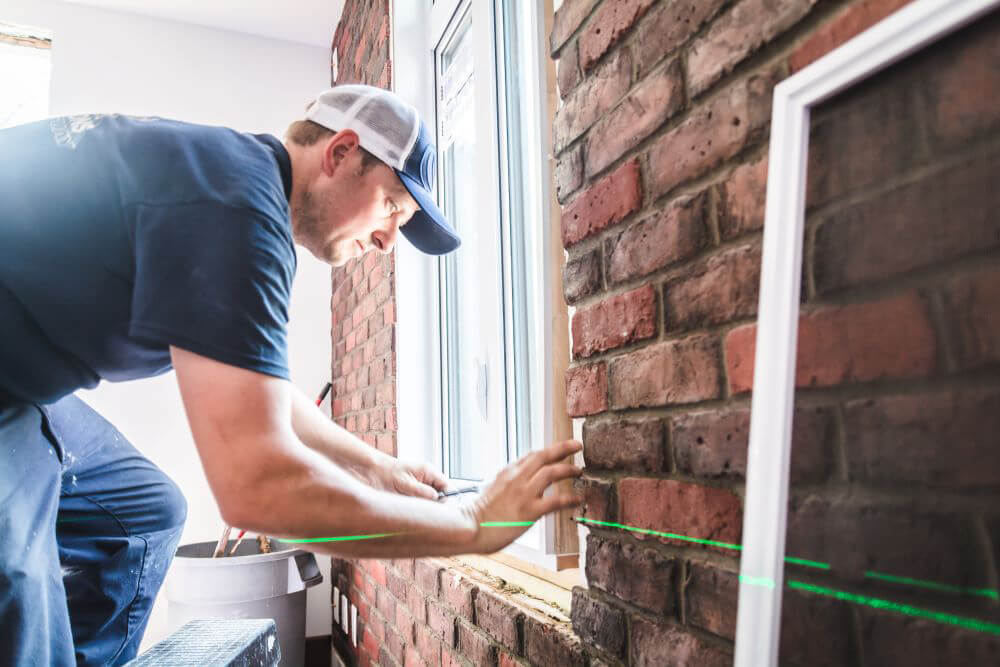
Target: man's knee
[171, 506]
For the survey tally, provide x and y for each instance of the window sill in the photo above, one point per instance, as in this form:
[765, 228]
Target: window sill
[545, 591]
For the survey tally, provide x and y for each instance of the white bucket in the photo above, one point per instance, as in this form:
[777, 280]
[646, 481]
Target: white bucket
[246, 585]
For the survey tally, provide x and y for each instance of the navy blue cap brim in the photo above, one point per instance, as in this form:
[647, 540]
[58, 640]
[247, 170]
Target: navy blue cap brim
[428, 230]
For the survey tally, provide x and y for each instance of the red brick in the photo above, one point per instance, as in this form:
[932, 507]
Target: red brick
[737, 34]
[582, 276]
[598, 499]
[425, 574]
[855, 19]
[618, 320]
[606, 27]
[893, 639]
[411, 658]
[404, 625]
[654, 645]
[505, 659]
[710, 596]
[586, 390]
[475, 646]
[457, 592]
[567, 19]
[972, 302]
[598, 93]
[722, 289]
[441, 623]
[625, 444]
[715, 131]
[943, 216]
[636, 575]
[568, 173]
[673, 234]
[667, 27]
[451, 659]
[568, 69]
[427, 646]
[890, 338]
[498, 617]
[944, 438]
[369, 643]
[598, 623]
[604, 203]
[857, 537]
[682, 508]
[645, 109]
[417, 604]
[742, 197]
[546, 643]
[714, 443]
[670, 373]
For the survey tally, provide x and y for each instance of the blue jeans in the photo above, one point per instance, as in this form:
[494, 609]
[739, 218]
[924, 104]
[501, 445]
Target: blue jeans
[88, 527]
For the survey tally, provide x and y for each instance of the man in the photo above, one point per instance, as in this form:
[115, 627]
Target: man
[131, 246]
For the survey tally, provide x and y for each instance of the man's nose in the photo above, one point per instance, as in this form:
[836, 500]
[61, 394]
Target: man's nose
[387, 238]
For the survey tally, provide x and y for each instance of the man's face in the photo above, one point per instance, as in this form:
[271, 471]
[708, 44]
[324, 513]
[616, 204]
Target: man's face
[348, 208]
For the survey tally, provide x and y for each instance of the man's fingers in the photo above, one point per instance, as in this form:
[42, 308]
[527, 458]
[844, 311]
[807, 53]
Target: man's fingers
[550, 454]
[551, 474]
[414, 487]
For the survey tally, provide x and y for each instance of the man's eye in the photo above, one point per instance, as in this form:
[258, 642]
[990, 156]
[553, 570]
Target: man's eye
[392, 206]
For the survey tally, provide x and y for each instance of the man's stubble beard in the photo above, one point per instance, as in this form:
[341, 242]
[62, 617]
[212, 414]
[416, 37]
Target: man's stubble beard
[307, 227]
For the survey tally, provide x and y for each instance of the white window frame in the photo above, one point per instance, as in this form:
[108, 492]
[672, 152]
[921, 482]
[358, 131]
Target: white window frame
[761, 566]
[419, 362]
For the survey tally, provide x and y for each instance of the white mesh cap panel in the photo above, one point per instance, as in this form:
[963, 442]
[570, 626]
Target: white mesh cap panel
[387, 127]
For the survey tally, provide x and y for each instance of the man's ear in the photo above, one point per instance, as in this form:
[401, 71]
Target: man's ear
[337, 148]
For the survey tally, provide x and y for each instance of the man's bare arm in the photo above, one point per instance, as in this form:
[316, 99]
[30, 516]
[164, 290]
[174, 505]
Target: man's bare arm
[265, 480]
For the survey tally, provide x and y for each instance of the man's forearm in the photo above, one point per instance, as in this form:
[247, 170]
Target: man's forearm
[328, 438]
[304, 496]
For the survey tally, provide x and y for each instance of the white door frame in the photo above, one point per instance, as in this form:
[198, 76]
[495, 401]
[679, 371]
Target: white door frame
[761, 567]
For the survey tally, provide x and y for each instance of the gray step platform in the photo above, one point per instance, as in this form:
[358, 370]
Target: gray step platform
[223, 642]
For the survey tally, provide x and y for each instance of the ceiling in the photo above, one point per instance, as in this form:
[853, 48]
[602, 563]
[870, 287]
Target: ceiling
[309, 22]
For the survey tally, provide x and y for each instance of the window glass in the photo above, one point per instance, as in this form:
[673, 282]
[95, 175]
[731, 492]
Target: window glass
[25, 69]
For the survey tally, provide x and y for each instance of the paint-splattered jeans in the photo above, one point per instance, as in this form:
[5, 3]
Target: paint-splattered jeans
[88, 527]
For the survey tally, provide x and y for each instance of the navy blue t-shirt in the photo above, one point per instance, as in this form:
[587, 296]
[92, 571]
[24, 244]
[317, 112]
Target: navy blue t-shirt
[120, 236]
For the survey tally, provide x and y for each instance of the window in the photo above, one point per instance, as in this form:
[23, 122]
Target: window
[491, 343]
[25, 69]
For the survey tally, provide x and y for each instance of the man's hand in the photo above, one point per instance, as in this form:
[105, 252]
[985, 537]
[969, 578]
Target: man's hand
[516, 495]
[408, 479]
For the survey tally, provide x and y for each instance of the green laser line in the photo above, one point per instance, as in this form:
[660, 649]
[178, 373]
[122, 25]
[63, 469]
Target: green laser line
[673, 536]
[807, 563]
[934, 586]
[343, 538]
[908, 610]
[763, 582]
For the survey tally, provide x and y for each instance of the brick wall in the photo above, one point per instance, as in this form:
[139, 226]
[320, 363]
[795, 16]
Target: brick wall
[661, 161]
[363, 328]
[661, 144]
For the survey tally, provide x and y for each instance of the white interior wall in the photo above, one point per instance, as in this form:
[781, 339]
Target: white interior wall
[106, 61]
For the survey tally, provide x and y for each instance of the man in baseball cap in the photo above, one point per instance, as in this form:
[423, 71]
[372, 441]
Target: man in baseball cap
[133, 246]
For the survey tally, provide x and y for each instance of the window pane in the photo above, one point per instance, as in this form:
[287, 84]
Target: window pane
[24, 77]
[466, 331]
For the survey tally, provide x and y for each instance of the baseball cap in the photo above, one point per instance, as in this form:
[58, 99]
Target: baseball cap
[391, 130]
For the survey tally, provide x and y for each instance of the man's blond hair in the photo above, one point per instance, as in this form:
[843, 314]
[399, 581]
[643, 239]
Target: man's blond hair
[307, 133]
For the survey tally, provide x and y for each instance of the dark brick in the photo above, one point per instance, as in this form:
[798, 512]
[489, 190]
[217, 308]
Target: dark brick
[972, 302]
[633, 574]
[582, 276]
[568, 69]
[599, 92]
[426, 576]
[804, 617]
[941, 217]
[568, 173]
[722, 289]
[475, 646]
[457, 592]
[598, 499]
[855, 18]
[549, 644]
[441, 623]
[669, 373]
[567, 19]
[671, 235]
[944, 438]
[710, 599]
[855, 539]
[598, 623]
[892, 639]
[714, 443]
[626, 444]
[655, 645]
